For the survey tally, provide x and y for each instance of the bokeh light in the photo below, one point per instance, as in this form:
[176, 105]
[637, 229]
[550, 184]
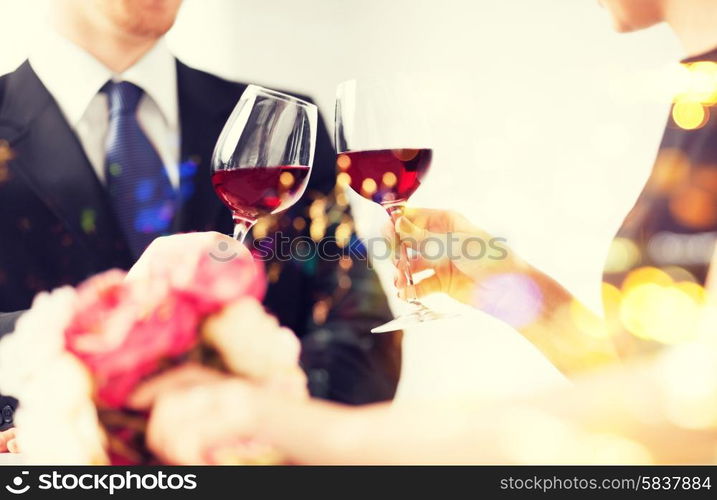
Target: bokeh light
[655, 307]
[512, 297]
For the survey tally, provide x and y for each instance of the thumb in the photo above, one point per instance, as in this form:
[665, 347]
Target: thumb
[12, 446]
[408, 230]
[431, 246]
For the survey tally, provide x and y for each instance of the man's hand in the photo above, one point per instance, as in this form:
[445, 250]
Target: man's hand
[182, 251]
[8, 443]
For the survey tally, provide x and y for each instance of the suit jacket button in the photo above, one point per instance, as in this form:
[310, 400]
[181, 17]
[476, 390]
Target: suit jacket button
[7, 414]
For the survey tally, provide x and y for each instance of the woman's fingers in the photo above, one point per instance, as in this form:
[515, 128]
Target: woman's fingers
[433, 220]
[5, 438]
[455, 284]
[177, 439]
[428, 250]
[439, 221]
[427, 286]
[411, 234]
[399, 279]
[415, 265]
[185, 376]
[428, 246]
[12, 446]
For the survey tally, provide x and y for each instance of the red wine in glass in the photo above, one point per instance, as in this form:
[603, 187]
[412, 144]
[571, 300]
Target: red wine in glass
[385, 176]
[253, 192]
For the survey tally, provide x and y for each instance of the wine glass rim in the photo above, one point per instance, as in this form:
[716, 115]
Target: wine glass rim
[258, 89]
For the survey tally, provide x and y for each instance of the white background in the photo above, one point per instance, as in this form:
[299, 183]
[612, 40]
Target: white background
[546, 125]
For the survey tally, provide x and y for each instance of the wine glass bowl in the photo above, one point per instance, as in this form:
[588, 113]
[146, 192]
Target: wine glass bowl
[385, 176]
[262, 161]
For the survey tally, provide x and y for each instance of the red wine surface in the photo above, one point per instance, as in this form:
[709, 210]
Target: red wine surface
[252, 192]
[385, 176]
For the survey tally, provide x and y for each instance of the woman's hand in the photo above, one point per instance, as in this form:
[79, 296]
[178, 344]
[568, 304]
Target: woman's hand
[225, 437]
[480, 270]
[458, 254]
[175, 435]
[8, 443]
[230, 404]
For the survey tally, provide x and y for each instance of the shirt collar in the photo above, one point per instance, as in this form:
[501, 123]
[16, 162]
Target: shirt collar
[156, 74]
[69, 73]
[74, 77]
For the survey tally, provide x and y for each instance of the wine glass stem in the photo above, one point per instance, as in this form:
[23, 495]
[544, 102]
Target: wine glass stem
[395, 212]
[241, 228]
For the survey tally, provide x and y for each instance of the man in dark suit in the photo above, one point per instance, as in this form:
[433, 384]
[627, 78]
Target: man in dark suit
[60, 223]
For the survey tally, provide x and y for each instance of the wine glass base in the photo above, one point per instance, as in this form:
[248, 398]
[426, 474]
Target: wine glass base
[420, 314]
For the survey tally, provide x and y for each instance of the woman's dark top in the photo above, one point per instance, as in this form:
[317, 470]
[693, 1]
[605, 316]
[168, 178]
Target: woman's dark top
[669, 236]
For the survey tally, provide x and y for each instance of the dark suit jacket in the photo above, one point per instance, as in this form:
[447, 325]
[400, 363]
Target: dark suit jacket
[57, 227]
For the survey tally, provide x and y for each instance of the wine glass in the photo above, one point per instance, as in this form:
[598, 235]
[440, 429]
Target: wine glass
[384, 150]
[262, 161]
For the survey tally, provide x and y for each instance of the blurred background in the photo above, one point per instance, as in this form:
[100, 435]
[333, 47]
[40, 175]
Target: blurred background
[546, 125]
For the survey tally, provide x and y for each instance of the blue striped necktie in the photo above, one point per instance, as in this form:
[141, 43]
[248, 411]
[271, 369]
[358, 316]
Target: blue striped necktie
[141, 193]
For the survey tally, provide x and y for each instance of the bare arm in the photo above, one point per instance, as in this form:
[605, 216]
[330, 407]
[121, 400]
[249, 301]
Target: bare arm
[482, 271]
[629, 414]
[567, 332]
[618, 416]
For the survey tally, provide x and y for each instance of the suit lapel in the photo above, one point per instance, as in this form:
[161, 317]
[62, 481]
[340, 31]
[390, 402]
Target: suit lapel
[49, 157]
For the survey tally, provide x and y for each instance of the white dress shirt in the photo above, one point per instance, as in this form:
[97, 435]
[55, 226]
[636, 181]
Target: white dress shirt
[74, 78]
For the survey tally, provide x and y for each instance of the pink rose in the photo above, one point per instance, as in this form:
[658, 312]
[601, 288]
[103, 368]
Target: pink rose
[126, 325]
[216, 283]
[122, 332]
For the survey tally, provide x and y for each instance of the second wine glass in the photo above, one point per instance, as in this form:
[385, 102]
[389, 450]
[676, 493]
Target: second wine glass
[384, 152]
[262, 161]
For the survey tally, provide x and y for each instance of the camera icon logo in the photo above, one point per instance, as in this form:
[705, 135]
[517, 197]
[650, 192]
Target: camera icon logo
[224, 255]
[17, 487]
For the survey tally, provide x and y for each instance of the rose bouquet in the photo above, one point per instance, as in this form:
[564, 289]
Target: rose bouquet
[78, 356]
